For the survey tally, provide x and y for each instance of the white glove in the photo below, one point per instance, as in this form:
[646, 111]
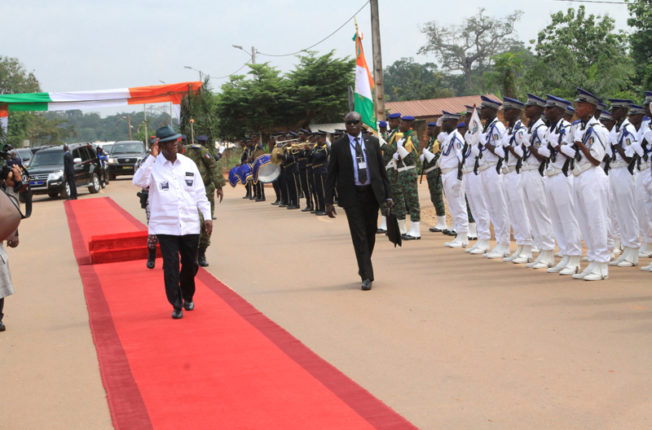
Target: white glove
[422, 157]
[429, 155]
[400, 142]
[395, 156]
[402, 151]
[221, 150]
[382, 142]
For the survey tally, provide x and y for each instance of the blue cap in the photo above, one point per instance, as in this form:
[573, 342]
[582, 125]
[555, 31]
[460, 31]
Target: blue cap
[620, 103]
[448, 115]
[407, 118]
[202, 138]
[432, 124]
[606, 116]
[648, 97]
[586, 97]
[382, 123]
[394, 115]
[461, 125]
[533, 100]
[553, 101]
[510, 103]
[489, 103]
[570, 109]
[636, 109]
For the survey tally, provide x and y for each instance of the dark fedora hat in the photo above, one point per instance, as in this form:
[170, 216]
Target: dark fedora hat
[167, 134]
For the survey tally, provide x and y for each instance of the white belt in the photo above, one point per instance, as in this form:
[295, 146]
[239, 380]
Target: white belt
[552, 171]
[486, 166]
[528, 168]
[390, 165]
[403, 169]
[508, 169]
[467, 170]
[644, 166]
[618, 164]
[577, 171]
[430, 169]
[450, 169]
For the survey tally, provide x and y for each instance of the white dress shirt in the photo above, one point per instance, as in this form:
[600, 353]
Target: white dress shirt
[451, 151]
[176, 191]
[355, 159]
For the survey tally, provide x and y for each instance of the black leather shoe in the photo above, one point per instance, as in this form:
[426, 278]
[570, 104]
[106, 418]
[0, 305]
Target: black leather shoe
[293, 207]
[450, 232]
[320, 213]
[3, 327]
[366, 285]
[435, 230]
[151, 259]
[306, 209]
[189, 306]
[282, 205]
[177, 314]
[276, 203]
[381, 231]
[201, 260]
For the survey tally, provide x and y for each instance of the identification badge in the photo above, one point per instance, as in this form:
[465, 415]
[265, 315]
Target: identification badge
[189, 182]
[165, 186]
[190, 174]
[362, 165]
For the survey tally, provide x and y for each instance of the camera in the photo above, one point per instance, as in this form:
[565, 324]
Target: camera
[7, 162]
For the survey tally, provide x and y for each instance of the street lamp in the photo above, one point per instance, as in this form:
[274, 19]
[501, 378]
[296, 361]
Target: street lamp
[201, 74]
[129, 126]
[253, 52]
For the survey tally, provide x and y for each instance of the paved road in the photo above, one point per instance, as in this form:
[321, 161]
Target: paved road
[446, 339]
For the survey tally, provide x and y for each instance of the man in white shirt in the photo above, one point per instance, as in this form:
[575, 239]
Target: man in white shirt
[176, 193]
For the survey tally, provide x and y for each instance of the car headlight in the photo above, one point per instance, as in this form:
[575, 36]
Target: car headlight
[55, 176]
[112, 160]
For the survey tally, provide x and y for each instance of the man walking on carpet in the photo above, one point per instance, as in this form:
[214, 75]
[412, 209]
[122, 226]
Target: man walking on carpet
[176, 196]
[356, 167]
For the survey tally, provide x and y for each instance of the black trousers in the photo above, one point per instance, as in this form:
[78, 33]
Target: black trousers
[2, 305]
[70, 179]
[179, 284]
[363, 223]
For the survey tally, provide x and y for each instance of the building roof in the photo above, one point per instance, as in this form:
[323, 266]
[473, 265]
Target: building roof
[434, 107]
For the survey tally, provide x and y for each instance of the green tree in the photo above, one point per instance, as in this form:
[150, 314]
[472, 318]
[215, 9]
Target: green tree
[640, 19]
[406, 80]
[200, 108]
[15, 79]
[470, 47]
[580, 50]
[507, 76]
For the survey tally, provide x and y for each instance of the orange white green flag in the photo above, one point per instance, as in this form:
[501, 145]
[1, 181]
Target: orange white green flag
[363, 100]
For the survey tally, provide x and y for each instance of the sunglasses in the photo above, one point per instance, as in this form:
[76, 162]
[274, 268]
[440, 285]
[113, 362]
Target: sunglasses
[351, 122]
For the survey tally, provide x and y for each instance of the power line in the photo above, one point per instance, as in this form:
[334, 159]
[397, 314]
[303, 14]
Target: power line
[324, 39]
[232, 73]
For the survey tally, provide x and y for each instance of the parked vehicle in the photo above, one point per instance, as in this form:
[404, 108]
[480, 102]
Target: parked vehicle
[124, 157]
[25, 155]
[46, 170]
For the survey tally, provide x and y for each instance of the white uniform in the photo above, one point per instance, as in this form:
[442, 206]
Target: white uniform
[643, 195]
[492, 181]
[591, 188]
[613, 231]
[449, 161]
[473, 189]
[559, 191]
[622, 186]
[513, 187]
[533, 188]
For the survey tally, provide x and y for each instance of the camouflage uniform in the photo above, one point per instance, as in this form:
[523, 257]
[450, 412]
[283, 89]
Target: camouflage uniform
[433, 175]
[392, 174]
[213, 179]
[407, 175]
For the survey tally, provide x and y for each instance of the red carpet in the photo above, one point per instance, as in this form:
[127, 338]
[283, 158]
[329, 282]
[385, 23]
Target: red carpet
[223, 366]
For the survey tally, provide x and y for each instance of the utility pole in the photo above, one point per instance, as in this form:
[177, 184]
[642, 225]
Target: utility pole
[128, 118]
[145, 122]
[378, 61]
[253, 55]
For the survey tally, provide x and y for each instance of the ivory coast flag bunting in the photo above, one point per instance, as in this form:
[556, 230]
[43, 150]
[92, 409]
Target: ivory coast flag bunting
[363, 99]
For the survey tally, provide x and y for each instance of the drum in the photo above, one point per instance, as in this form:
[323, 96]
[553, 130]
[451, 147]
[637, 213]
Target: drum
[245, 172]
[233, 176]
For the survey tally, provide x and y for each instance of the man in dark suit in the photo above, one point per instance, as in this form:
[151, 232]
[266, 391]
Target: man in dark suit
[356, 167]
[69, 172]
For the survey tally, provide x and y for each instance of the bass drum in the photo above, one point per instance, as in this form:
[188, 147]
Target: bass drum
[233, 176]
[245, 173]
[265, 170]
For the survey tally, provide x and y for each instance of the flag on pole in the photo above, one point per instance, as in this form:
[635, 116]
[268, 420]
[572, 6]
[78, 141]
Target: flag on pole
[363, 100]
[475, 128]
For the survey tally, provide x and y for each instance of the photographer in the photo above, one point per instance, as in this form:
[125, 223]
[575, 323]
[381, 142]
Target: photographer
[9, 185]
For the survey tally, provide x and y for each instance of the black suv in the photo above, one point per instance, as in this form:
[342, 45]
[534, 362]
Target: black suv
[46, 170]
[124, 157]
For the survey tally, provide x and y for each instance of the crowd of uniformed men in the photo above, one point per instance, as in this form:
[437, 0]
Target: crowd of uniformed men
[552, 182]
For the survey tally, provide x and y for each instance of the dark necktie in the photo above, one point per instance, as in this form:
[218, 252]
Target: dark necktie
[362, 173]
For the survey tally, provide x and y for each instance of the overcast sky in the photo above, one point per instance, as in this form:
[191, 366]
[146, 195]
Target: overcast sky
[93, 44]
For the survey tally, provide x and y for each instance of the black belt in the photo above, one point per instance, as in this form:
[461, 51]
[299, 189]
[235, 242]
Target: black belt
[362, 188]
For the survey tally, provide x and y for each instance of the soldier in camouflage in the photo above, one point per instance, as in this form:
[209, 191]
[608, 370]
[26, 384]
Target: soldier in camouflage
[406, 160]
[388, 150]
[429, 158]
[213, 182]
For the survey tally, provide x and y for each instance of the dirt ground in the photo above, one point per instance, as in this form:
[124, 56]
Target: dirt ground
[449, 340]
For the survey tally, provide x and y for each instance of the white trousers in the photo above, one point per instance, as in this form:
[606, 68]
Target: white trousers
[623, 203]
[473, 190]
[591, 194]
[561, 204]
[643, 196]
[537, 210]
[613, 231]
[516, 207]
[454, 192]
[492, 188]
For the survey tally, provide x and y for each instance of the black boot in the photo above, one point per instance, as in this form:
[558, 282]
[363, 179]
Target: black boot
[151, 258]
[201, 258]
